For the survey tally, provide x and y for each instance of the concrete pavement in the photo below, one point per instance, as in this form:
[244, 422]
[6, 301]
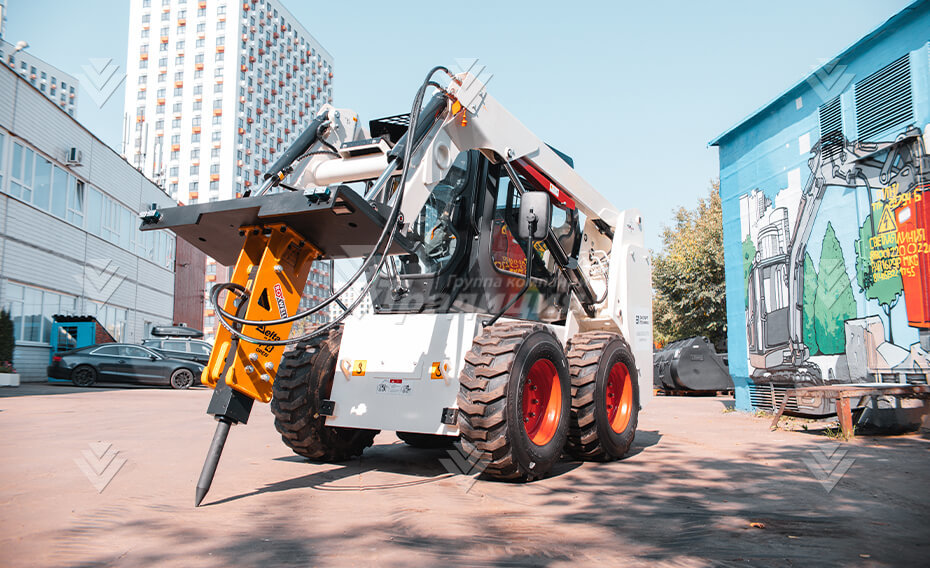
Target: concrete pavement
[702, 487]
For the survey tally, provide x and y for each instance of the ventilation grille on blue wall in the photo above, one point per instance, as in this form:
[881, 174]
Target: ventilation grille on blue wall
[883, 99]
[831, 127]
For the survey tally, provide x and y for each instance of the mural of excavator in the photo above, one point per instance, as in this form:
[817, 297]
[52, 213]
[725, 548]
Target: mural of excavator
[896, 175]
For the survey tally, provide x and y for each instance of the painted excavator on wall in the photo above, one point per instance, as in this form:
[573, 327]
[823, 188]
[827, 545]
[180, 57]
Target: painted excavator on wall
[775, 320]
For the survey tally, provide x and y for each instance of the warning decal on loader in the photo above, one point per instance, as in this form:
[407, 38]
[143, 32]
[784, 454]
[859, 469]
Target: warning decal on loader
[358, 368]
[394, 387]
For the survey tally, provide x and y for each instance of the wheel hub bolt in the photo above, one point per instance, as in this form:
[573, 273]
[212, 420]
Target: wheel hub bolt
[249, 369]
[253, 357]
[269, 366]
[265, 377]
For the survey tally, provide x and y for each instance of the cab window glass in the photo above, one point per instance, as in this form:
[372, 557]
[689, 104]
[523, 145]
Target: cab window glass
[435, 225]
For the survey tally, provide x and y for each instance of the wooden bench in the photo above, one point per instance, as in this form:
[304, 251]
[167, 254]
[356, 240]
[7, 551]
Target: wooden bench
[843, 393]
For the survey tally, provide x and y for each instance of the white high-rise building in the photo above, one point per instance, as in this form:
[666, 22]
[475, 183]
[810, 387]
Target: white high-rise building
[216, 90]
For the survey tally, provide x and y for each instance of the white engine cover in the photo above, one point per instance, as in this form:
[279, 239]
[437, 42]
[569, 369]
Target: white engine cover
[386, 372]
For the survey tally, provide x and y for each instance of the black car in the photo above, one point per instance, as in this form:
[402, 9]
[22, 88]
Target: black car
[123, 363]
[191, 349]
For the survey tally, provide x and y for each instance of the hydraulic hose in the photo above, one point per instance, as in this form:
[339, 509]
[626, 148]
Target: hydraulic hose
[385, 240]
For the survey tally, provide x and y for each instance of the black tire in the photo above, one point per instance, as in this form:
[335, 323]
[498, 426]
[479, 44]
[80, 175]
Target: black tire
[305, 379]
[491, 400]
[592, 434]
[426, 441]
[83, 376]
[181, 378]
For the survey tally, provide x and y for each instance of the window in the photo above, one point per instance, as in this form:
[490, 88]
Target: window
[107, 350]
[32, 308]
[21, 168]
[75, 201]
[134, 352]
[175, 345]
[2, 139]
[214, 186]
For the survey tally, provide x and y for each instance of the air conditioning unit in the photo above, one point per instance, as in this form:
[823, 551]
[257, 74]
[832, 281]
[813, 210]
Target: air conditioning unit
[74, 157]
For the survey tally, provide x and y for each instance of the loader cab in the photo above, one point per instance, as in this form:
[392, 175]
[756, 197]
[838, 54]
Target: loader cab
[467, 255]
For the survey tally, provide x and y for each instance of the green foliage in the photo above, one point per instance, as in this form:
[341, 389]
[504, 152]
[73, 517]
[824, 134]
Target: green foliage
[688, 275]
[834, 302]
[7, 342]
[749, 255]
[808, 311]
[872, 279]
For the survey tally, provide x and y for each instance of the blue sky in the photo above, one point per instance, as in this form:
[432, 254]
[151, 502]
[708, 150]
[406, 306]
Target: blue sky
[632, 91]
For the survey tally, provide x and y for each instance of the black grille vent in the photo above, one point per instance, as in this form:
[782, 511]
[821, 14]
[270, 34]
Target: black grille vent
[831, 127]
[883, 99]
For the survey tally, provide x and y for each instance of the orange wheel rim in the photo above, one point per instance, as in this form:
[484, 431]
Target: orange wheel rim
[619, 397]
[542, 402]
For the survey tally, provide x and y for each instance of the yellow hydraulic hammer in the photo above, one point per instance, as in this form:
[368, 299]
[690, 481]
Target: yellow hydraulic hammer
[272, 268]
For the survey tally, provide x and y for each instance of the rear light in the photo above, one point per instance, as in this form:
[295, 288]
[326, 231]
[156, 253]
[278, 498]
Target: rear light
[56, 359]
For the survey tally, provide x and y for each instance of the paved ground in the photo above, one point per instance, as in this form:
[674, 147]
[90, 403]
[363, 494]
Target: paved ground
[687, 496]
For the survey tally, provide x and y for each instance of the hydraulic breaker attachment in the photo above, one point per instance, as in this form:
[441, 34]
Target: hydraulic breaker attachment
[268, 278]
[271, 271]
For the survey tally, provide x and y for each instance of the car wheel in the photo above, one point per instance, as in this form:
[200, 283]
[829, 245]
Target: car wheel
[84, 376]
[182, 379]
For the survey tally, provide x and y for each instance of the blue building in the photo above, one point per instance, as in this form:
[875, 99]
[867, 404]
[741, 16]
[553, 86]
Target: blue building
[826, 221]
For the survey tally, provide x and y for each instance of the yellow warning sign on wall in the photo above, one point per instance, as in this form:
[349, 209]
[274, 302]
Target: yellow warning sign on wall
[887, 223]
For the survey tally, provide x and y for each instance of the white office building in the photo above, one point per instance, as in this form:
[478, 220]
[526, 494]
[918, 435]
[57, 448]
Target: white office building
[216, 90]
[69, 238]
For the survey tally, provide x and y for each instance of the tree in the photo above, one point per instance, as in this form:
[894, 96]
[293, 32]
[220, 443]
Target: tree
[688, 275]
[877, 270]
[834, 302]
[749, 256]
[808, 310]
[7, 340]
